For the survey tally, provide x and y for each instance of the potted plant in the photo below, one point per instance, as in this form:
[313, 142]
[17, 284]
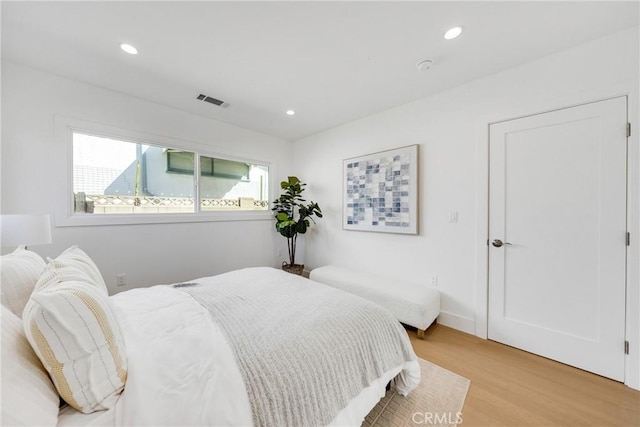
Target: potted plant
[292, 218]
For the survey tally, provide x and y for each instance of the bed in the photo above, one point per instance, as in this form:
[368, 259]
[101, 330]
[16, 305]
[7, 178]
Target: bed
[256, 346]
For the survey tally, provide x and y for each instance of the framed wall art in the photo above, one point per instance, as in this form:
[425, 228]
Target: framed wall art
[381, 191]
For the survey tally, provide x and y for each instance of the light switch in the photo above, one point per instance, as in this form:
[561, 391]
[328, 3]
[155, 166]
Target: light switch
[453, 217]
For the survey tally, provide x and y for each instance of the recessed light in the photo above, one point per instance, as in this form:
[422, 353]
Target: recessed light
[129, 49]
[290, 112]
[452, 33]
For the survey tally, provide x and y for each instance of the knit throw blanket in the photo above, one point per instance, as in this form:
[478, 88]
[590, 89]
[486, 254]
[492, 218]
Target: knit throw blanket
[304, 349]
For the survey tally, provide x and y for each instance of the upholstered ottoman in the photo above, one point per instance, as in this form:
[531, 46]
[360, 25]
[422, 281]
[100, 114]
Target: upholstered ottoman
[412, 304]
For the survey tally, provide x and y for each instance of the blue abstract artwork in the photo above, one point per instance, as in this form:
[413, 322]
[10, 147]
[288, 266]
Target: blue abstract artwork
[380, 191]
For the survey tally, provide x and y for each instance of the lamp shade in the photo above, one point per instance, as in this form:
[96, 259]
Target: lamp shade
[25, 230]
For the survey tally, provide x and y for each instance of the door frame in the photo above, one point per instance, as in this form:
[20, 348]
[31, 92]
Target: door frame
[629, 89]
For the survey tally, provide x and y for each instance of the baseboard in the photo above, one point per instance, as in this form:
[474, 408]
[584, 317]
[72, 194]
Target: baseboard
[458, 322]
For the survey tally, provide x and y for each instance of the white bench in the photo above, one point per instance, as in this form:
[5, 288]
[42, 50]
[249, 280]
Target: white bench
[412, 304]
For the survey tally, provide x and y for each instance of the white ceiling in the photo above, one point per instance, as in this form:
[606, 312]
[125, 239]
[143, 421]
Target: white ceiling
[331, 62]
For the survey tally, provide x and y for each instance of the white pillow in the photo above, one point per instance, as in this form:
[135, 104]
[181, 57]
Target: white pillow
[74, 332]
[19, 272]
[77, 258]
[28, 395]
[60, 272]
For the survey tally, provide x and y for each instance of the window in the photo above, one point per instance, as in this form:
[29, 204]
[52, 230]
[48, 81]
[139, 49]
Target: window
[182, 162]
[113, 176]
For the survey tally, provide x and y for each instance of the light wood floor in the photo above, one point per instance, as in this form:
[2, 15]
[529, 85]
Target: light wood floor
[510, 387]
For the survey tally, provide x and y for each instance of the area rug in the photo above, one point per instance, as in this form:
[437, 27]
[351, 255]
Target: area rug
[437, 401]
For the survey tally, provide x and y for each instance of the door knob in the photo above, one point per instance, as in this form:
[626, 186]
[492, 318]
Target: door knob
[498, 243]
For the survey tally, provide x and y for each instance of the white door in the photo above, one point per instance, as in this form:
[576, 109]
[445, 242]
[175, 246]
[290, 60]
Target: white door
[557, 204]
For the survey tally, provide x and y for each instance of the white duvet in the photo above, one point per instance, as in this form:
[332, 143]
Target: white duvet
[178, 358]
[182, 370]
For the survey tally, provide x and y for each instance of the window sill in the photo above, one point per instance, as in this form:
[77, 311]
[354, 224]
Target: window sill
[84, 220]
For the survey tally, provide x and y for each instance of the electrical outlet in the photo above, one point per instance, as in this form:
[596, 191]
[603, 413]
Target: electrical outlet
[434, 281]
[121, 279]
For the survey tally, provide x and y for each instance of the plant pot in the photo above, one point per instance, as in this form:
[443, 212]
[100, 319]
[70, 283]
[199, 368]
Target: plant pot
[293, 268]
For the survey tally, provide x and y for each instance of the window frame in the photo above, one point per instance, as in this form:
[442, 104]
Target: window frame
[64, 128]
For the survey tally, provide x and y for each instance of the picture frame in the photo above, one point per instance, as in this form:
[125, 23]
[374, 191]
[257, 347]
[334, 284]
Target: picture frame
[380, 191]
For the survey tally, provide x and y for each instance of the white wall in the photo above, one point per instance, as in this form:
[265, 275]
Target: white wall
[451, 129]
[148, 254]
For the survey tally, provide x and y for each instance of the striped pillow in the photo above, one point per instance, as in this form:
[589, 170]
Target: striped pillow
[19, 272]
[76, 258]
[60, 272]
[28, 396]
[73, 331]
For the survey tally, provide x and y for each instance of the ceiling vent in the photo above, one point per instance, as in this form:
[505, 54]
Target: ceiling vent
[213, 101]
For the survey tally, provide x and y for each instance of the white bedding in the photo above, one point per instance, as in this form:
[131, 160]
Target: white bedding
[182, 370]
[178, 359]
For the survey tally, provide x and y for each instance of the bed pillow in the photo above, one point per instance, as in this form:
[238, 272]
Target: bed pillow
[60, 272]
[28, 395]
[74, 332]
[76, 258]
[19, 272]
